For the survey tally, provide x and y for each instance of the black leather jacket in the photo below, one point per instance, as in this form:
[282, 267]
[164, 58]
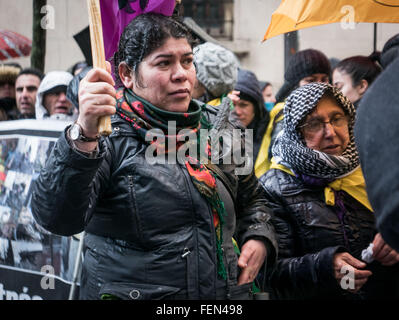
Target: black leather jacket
[309, 233]
[149, 232]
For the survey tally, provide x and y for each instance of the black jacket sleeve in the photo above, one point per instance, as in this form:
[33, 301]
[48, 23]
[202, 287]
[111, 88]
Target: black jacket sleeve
[65, 188]
[252, 211]
[254, 216]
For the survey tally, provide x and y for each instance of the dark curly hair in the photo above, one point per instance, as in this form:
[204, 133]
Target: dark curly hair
[145, 34]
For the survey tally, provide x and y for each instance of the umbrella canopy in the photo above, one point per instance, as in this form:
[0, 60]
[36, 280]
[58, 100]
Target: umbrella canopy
[13, 45]
[294, 15]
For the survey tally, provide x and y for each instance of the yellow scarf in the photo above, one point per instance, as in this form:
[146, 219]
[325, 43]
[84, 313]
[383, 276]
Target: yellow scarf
[353, 184]
[262, 163]
[215, 102]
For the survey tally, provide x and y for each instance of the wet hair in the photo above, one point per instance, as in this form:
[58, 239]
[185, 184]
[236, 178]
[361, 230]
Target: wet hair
[31, 71]
[361, 67]
[145, 34]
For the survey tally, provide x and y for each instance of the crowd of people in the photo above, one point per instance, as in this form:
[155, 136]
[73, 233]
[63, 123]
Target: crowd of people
[29, 94]
[194, 228]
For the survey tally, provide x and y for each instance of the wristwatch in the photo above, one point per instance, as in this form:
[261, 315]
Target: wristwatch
[76, 134]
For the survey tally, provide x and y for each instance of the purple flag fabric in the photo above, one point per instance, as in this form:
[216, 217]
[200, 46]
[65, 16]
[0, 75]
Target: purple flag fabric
[116, 15]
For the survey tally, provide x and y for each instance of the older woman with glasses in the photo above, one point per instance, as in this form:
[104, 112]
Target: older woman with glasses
[321, 212]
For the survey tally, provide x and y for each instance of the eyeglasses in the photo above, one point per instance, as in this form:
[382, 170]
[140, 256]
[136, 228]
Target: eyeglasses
[315, 125]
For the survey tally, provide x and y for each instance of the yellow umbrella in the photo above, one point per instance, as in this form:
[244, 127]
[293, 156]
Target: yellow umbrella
[294, 15]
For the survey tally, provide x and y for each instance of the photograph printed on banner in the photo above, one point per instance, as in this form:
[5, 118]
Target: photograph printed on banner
[23, 243]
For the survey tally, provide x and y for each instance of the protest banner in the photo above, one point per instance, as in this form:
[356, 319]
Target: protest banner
[34, 263]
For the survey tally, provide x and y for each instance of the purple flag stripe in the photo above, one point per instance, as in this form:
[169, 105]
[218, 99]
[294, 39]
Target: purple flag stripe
[115, 19]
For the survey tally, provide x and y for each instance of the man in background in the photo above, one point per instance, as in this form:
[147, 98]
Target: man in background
[8, 75]
[26, 86]
[52, 102]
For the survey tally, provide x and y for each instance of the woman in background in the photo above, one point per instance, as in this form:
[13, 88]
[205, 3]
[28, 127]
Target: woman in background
[354, 75]
[321, 212]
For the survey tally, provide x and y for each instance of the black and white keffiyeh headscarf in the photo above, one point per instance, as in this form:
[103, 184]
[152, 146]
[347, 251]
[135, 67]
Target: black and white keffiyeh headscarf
[290, 148]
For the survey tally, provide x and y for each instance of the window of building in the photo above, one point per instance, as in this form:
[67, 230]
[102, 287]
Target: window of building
[214, 16]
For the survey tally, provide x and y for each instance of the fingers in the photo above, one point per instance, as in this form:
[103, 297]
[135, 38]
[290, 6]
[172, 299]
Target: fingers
[361, 277]
[100, 75]
[97, 94]
[252, 256]
[356, 273]
[252, 252]
[97, 87]
[348, 268]
[382, 253]
[390, 259]
[97, 98]
[244, 258]
[250, 268]
[351, 260]
[358, 284]
[234, 96]
[344, 261]
[247, 270]
[99, 110]
[352, 279]
[92, 102]
[362, 274]
[378, 243]
[247, 275]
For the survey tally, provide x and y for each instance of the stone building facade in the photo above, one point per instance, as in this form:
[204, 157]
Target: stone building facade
[244, 23]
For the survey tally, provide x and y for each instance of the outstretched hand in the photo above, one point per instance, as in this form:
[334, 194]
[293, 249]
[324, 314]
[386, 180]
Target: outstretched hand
[253, 254]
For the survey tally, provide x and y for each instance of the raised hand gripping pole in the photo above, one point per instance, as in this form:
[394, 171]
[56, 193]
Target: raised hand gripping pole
[98, 54]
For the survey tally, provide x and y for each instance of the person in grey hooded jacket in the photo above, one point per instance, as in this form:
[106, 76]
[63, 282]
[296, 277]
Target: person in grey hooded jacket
[51, 101]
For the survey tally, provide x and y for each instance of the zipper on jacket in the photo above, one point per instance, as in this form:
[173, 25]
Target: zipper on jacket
[186, 256]
[213, 233]
[134, 209]
[186, 252]
[195, 234]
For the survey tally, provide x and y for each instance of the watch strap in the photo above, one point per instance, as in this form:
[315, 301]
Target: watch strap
[82, 137]
[87, 139]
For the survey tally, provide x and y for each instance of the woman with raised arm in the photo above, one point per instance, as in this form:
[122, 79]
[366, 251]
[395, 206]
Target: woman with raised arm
[153, 229]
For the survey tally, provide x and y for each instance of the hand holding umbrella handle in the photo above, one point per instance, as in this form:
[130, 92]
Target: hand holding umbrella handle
[98, 53]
